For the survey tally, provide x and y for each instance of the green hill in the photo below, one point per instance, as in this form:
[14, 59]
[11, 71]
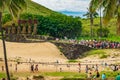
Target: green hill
[112, 26]
[86, 26]
[50, 23]
[35, 8]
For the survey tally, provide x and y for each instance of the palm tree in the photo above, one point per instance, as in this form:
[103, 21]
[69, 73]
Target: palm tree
[90, 14]
[111, 8]
[14, 7]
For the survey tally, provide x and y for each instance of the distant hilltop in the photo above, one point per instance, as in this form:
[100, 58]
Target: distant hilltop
[73, 13]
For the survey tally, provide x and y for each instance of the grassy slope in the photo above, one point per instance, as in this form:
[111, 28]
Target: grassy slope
[102, 53]
[111, 26]
[35, 8]
[32, 8]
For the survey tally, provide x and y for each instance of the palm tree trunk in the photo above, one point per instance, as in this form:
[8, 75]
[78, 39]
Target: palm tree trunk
[101, 33]
[118, 24]
[91, 25]
[4, 47]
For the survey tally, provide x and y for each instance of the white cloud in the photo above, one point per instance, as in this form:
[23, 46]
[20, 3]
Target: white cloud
[65, 5]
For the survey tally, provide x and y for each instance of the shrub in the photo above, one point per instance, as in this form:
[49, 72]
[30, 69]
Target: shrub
[72, 61]
[40, 77]
[103, 32]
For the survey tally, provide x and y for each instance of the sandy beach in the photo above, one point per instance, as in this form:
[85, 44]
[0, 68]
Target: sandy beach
[43, 52]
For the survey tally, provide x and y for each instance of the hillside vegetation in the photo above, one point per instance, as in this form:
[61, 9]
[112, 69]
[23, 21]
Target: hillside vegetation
[50, 23]
[86, 26]
[35, 8]
[57, 22]
[111, 27]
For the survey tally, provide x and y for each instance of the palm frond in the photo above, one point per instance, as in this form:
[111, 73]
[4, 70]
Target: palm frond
[94, 5]
[109, 10]
[16, 7]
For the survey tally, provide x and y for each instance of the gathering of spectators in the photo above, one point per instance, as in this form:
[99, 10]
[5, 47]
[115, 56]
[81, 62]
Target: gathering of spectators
[100, 44]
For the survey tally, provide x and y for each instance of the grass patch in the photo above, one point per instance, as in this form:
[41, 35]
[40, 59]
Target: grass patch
[100, 53]
[103, 56]
[66, 74]
[22, 74]
[73, 79]
[40, 77]
[2, 75]
[72, 61]
[95, 52]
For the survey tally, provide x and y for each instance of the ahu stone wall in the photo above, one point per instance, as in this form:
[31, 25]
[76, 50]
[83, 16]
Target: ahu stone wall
[72, 51]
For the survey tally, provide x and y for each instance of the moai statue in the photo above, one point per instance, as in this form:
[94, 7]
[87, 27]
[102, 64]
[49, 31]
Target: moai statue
[29, 29]
[18, 30]
[29, 26]
[24, 30]
[6, 30]
[9, 30]
[35, 27]
[13, 29]
[24, 27]
[19, 27]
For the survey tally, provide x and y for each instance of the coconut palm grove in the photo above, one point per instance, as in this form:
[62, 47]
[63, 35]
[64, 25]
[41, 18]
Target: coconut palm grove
[59, 40]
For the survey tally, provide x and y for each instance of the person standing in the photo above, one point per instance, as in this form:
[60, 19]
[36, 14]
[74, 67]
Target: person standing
[16, 67]
[117, 77]
[103, 76]
[32, 68]
[36, 67]
[79, 66]
[96, 69]
[86, 69]
[60, 69]
[97, 74]
[2, 68]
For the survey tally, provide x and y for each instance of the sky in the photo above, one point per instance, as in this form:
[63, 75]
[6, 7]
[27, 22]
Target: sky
[68, 7]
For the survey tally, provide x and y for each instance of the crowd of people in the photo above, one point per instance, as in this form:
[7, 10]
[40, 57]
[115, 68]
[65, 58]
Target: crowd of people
[102, 76]
[100, 44]
[34, 67]
[93, 72]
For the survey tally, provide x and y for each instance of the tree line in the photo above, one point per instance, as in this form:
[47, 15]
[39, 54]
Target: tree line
[55, 25]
